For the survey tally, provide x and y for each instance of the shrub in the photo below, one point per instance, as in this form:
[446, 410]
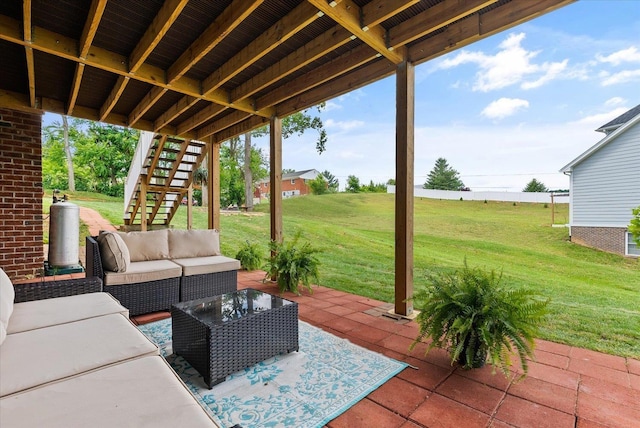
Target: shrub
[249, 256]
[472, 315]
[293, 265]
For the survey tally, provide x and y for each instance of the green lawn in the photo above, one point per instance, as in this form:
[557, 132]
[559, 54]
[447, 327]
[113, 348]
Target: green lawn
[595, 296]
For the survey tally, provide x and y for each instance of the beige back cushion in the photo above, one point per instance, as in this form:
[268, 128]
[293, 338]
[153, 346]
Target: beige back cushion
[113, 252]
[7, 296]
[194, 243]
[145, 246]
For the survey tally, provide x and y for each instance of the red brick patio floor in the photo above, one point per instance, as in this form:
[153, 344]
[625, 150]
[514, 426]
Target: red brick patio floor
[566, 386]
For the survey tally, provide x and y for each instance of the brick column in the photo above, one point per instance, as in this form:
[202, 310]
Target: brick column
[21, 254]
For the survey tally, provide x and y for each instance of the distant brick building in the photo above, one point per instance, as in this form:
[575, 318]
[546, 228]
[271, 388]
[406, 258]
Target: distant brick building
[293, 184]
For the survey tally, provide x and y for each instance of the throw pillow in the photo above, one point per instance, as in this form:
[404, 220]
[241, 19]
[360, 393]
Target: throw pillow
[114, 252]
[7, 296]
[194, 243]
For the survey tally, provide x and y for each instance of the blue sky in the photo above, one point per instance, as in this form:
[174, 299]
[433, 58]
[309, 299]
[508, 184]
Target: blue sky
[515, 106]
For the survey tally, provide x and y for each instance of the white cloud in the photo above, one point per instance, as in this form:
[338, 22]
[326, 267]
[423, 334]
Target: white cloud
[614, 101]
[630, 54]
[625, 76]
[504, 107]
[343, 125]
[599, 119]
[331, 105]
[510, 66]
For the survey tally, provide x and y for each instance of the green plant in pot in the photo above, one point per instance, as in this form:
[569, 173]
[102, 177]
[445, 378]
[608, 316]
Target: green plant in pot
[249, 256]
[293, 265]
[473, 315]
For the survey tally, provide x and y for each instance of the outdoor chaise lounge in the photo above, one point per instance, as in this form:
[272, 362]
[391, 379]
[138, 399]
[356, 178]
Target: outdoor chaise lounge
[69, 356]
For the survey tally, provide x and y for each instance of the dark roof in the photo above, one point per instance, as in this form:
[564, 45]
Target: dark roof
[620, 120]
[295, 174]
[219, 68]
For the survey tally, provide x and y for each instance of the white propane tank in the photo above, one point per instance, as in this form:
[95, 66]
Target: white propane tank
[64, 234]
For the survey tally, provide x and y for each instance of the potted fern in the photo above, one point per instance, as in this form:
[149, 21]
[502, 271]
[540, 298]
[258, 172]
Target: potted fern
[249, 256]
[470, 313]
[292, 265]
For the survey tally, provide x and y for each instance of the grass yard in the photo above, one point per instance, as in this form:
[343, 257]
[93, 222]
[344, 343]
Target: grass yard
[595, 296]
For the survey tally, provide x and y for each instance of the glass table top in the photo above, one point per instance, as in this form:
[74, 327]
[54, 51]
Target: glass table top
[231, 306]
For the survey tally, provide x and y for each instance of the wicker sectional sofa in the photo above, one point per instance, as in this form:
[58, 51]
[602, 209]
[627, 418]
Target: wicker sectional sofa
[150, 271]
[69, 356]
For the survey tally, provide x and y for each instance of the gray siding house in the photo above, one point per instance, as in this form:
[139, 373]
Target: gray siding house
[605, 187]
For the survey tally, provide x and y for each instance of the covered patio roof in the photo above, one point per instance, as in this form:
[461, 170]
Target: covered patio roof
[216, 69]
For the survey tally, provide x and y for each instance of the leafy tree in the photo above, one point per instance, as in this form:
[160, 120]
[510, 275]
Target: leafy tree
[535, 186]
[353, 184]
[332, 181]
[287, 170]
[319, 185]
[443, 177]
[391, 182]
[232, 173]
[104, 156]
[59, 143]
[634, 227]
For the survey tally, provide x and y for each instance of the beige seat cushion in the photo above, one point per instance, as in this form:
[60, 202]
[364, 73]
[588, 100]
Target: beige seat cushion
[7, 296]
[140, 393]
[150, 245]
[49, 354]
[144, 271]
[193, 243]
[212, 264]
[113, 252]
[44, 313]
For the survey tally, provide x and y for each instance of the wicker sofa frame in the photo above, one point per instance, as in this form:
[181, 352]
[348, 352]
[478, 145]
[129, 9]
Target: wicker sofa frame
[153, 296]
[31, 291]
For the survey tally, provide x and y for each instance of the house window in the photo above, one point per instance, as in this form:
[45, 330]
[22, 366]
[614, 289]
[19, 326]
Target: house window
[633, 249]
[293, 181]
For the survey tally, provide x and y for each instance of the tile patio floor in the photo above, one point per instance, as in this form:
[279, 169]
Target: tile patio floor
[567, 387]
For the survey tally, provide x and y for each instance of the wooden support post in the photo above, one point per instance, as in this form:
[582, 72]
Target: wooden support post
[213, 181]
[404, 188]
[189, 207]
[275, 178]
[143, 203]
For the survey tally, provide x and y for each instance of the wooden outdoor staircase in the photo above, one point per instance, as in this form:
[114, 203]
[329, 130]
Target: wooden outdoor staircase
[161, 174]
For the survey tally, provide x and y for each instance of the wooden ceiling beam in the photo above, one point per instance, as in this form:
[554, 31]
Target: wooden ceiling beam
[479, 26]
[377, 11]
[67, 48]
[200, 117]
[340, 65]
[434, 18]
[221, 124]
[220, 28]
[281, 31]
[184, 104]
[114, 95]
[28, 51]
[347, 14]
[356, 79]
[146, 103]
[316, 48]
[166, 16]
[86, 39]
[243, 127]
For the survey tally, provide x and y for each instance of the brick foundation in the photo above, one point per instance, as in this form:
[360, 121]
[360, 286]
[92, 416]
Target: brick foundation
[21, 254]
[610, 239]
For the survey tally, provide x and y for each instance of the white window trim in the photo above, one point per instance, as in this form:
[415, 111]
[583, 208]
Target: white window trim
[627, 241]
[293, 181]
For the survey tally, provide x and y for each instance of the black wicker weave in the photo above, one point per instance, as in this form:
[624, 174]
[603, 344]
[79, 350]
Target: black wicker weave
[30, 291]
[194, 287]
[139, 298]
[223, 334]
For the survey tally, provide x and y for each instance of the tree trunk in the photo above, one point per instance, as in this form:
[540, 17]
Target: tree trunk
[67, 151]
[248, 179]
[204, 184]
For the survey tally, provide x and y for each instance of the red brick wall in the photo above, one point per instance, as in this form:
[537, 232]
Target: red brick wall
[299, 184]
[21, 254]
[610, 239]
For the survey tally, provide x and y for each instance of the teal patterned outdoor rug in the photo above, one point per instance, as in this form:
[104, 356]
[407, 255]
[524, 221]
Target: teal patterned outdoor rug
[301, 389]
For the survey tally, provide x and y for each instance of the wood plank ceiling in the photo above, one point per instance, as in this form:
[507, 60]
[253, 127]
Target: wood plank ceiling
[203, 69]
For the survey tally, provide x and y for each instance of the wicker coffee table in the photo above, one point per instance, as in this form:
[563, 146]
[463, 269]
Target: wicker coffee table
[223, 334]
